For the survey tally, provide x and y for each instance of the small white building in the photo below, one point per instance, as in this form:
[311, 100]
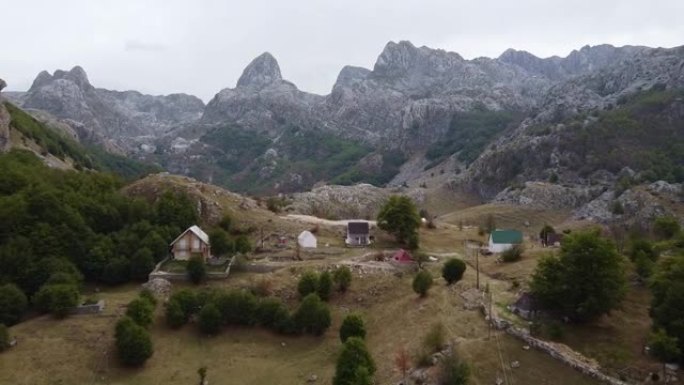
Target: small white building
[307, 240]
[502, 240]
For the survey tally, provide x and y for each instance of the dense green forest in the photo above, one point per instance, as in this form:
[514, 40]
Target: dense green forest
[83, 157]
[66, 226]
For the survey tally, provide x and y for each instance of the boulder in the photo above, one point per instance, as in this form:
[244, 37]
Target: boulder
[160, 287]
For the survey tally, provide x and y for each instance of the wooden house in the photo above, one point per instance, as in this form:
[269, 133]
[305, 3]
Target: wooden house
[192, 241]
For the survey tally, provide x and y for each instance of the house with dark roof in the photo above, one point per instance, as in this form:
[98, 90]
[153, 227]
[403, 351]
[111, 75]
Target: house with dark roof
[192, 241]
[502, 240]
[358, 233]
[525, 306]
[554, 240]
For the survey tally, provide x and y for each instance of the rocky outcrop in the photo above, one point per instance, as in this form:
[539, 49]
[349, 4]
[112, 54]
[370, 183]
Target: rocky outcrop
[99, 115]
[361, 201]
[548, 195]
[5, 118]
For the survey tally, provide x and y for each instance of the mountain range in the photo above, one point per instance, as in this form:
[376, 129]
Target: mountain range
[489, 125]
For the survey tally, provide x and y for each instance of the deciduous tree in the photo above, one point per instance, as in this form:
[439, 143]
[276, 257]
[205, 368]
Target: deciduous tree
[400, 218]
[584, 282]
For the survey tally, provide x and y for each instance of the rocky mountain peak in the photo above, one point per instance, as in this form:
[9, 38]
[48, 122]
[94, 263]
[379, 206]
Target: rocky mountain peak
[514, 56]
[349, 75]
[2, 84]
[43, 78]
[403, 58]
[77, 75]
[262, 71]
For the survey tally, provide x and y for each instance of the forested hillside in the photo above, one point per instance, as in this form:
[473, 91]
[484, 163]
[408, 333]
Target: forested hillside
[67, 149]
[58, 225]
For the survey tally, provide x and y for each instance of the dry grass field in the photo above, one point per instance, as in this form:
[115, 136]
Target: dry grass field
[79, 349]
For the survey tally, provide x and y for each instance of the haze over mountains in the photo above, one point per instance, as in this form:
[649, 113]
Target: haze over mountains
[486, 123]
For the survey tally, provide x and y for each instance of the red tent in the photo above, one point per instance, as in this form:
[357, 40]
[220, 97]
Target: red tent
[402, 256]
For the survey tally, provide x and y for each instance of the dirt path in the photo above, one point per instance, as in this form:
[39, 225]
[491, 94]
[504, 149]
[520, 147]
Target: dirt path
[321, 221]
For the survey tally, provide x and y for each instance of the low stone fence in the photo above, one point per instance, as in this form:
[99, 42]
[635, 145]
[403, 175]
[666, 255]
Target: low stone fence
[214, 275]
[92, 308]
[560, 352]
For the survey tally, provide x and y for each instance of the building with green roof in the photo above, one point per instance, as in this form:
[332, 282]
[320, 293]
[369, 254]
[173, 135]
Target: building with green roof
[502, 240]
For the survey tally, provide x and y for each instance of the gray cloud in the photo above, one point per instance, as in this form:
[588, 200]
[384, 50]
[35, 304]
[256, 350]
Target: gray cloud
[199, 47]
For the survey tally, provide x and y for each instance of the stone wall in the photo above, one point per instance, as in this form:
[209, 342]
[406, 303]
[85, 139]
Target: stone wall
[94, 308]
[560, 352]
[158, 273]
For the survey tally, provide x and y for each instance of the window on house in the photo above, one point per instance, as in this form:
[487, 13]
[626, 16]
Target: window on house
[195, 244]
[183, 243]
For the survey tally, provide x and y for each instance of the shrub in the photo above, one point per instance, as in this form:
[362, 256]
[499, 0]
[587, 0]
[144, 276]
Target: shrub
[4, 337]
[666, 227]
[225, 222]
[324, 286]
[342, 277]
[13, 304]
[220, 242]
[644, 266]
[353, 358]
[196, 270]
[141, 312]
[352, 326]
[641, 247]
[422, 283]
[242, 244]
[452, 370]
[147, 295]
[133, 343]
[57, 299]
[453, 270]
[513, 254]
[308, 284]
[553, 178]
[664, 347]
[272, 313]
[175, 316]
[435, 339]
[210, 319]
[238, 307]
[187, 300]
[617, 208]
[312, 316]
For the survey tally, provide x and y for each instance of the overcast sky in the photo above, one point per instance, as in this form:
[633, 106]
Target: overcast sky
[201, 46]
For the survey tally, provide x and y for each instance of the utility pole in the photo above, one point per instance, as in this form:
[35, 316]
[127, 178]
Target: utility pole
[477, 267]
[491, 316]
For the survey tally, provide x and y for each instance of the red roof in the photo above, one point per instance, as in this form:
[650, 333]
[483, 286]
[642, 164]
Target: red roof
[402, 256]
